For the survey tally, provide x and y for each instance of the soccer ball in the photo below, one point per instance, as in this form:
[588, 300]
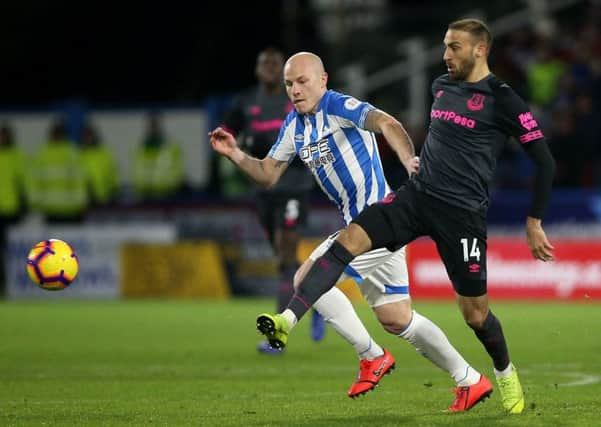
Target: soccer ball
[52, 264]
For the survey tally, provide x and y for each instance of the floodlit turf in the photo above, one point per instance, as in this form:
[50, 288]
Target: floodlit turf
[194, 363]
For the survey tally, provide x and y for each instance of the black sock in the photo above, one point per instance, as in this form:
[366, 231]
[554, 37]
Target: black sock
[322, 276]
[491, 336]
[285, 286]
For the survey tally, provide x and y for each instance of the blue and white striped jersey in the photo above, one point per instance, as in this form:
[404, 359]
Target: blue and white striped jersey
[340, 153]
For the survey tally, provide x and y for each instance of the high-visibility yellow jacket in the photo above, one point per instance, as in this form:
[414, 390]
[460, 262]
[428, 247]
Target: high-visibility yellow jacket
[157, 171]
[101, 171]
[57, 180]
[12, 180]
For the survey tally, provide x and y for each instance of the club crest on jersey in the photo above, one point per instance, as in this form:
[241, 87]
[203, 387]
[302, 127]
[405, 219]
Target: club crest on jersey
[476, 102]
[351, 104]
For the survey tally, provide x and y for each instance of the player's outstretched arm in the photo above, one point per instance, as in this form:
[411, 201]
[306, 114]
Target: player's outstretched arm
[266, 172]
[396, 136]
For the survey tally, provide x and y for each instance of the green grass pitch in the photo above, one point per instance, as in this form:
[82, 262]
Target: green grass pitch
[171, 363]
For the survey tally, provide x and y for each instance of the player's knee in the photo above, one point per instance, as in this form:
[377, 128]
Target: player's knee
[354, 239]
[395, 322]
[396, 326]
[301, 272]
[475, 319]
[474, 310]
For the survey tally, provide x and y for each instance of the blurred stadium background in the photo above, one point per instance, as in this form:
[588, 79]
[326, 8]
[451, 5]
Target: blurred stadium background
[102, 75]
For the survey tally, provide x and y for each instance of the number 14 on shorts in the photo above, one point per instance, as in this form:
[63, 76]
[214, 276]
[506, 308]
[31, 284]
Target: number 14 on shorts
[473, 252]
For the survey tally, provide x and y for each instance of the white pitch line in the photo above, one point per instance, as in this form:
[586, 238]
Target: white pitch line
[580, 377]
[584, 379]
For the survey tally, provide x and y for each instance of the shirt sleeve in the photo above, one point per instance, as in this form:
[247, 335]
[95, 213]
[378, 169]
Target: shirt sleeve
[350, 109]
[515, 118]
[284, 148]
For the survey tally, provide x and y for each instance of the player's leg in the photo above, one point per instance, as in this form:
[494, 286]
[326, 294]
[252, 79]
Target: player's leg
[489, 331]
[271, 209]
[285, 244]
[325, 272]
[291, 214]
[287, 240]
[374, 361]
[334, 307]
[387, 291]
[461, 242]
[377, 226]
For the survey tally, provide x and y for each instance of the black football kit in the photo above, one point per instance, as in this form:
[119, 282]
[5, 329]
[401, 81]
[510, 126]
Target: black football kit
[448, 199]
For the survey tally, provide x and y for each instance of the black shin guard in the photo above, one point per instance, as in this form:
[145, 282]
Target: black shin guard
[285, 286]
[491, 336]
[322, 276]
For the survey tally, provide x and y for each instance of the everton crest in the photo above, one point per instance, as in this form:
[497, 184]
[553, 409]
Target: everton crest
[476, 102]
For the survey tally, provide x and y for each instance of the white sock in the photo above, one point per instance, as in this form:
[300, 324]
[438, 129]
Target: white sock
[505, 372]
[290, 317]
[338, 311]
[432, 343]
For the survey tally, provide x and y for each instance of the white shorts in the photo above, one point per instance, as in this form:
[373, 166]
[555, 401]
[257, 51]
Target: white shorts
[381, 275]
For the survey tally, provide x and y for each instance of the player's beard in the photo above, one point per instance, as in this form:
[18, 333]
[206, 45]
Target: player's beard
[464, 69]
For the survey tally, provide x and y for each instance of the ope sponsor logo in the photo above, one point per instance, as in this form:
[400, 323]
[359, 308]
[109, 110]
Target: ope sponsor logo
[317, 154]
[451, 116]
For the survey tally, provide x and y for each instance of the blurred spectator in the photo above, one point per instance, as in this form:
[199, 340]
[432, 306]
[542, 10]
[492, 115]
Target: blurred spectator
[99, 165]
[12, 188]
[543, 73]
[233, 183]
[563, 148]
[563, 75]
[513, 58]
[587, 134]
[12, 176]
[158, 167]
[57, 180]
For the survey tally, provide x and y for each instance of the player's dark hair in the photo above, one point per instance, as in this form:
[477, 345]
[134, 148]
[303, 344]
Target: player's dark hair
[477, 29]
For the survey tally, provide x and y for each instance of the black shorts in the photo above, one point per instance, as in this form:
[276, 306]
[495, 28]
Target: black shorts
[459, 234]
[282, 211]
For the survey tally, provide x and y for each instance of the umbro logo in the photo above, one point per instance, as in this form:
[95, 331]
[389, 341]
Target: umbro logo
[299, 137]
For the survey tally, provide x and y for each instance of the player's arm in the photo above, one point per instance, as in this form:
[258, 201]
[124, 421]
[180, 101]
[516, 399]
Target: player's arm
[380, 122]
[543, 181]
[515, 116]
[265, 172]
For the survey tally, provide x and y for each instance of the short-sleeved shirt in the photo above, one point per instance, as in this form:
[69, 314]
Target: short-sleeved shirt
[258, 116]
[340, 153]
[469, 123]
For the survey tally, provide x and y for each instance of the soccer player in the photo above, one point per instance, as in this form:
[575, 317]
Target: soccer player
[255, 119]
[472, 114]
[333, 134]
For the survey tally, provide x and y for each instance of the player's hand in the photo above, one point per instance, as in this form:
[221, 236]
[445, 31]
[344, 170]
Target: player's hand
[412, 166]
[537, 240]
[223, 142]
